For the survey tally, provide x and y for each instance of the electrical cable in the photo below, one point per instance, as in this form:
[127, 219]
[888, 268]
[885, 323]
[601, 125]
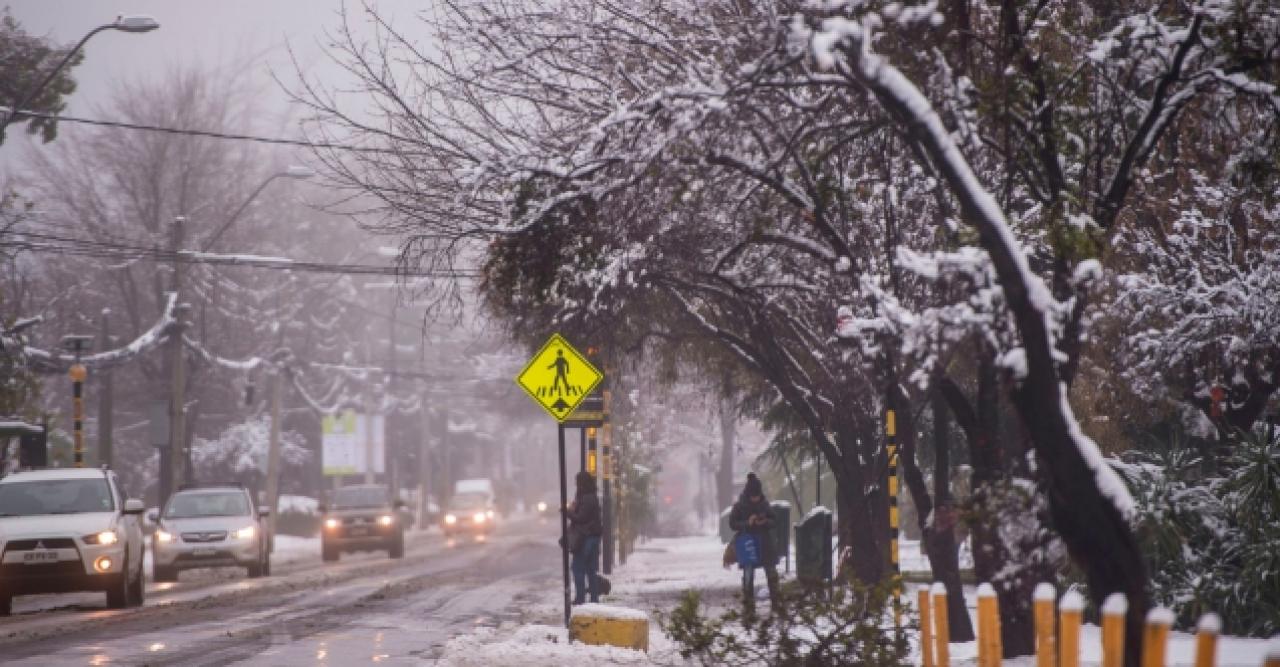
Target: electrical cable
[207, 133]
[63, 245]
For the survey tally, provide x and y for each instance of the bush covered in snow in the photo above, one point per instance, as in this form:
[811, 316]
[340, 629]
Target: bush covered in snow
[849, 626]
[239, 453]
[1212, 537]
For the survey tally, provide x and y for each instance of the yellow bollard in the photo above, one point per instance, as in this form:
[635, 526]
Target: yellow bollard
[941, 627]
[1155, 636]
[926, 636]
[988, 627]
[1113, 611]
[1046, 638]
[1207, 631]
[1070, 612]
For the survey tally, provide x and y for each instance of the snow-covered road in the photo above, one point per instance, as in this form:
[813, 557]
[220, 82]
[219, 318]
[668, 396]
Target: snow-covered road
[366, 608]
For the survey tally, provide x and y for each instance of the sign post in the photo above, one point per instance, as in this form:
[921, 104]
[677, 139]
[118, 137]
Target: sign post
[558, 378]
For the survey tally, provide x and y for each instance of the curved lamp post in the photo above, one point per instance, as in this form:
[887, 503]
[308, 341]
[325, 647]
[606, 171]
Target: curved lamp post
[138, 23]
[292, 171]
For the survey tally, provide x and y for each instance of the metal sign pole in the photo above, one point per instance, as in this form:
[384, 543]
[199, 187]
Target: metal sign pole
[564, 524]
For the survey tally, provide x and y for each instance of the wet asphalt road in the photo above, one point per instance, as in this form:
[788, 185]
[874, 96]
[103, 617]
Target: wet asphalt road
[364, 609]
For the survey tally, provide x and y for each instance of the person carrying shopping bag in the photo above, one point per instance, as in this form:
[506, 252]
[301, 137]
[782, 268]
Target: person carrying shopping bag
[752, 518]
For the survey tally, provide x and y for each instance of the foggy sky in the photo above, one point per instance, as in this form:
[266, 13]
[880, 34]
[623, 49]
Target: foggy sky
[252, 33]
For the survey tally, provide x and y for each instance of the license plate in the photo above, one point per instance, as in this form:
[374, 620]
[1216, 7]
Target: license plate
[203, 552]
[33, 557]
[359, 531]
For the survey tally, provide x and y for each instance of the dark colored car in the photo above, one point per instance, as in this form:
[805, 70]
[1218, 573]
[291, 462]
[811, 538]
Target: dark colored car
[361, 518]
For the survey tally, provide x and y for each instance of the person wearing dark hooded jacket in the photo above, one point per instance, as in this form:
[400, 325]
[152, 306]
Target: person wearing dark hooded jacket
[585, 529]
[752, 514]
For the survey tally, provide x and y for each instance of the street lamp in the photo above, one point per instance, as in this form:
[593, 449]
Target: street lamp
[294, 171]
[138, 23]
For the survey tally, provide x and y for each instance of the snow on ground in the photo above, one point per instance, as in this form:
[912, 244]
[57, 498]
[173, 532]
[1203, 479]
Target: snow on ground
[662, 569]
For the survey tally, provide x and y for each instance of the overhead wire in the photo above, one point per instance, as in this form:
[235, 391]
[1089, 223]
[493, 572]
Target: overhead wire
[208, 133]
[67, 245]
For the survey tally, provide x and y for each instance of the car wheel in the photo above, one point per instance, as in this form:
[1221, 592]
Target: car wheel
[138, 589]
[397, 548]
[6, 602]
[118, 588]
[328, 553]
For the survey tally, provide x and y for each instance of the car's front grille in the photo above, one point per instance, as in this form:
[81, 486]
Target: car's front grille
[44, 543]
[359, 521]
[205, 536]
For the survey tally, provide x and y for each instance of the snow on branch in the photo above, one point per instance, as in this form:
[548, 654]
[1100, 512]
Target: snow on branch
[844, 45]
[44, 361]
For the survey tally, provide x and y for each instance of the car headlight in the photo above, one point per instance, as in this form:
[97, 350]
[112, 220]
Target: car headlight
[246, 533]
[488, 513]
[331, 523]
[104, 538]
[450, 519]
[164, 537]
[479, 517]
[386, 519]
[542, 507]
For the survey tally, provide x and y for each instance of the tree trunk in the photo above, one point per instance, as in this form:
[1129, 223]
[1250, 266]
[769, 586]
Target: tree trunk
[937, 522]
[728, 443]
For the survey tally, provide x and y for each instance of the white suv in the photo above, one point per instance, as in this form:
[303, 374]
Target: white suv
[210, 527]
[69, 529]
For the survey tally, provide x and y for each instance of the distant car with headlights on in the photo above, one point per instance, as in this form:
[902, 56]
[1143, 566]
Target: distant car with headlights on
[469, 513]
[361, 518]
[64, 530]
[212, 526]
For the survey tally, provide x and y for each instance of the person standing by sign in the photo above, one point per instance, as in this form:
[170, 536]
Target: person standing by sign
[753, 516]
[585, 529]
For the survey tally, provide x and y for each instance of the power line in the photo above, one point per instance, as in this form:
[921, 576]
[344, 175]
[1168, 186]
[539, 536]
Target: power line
[63, 245]
[207, 133]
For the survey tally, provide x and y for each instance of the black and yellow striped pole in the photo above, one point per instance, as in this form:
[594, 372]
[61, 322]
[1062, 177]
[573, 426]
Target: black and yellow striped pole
[891, 447]
[78, 373]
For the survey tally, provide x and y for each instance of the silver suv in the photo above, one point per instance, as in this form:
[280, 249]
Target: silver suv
[69, 529]
[210, 527]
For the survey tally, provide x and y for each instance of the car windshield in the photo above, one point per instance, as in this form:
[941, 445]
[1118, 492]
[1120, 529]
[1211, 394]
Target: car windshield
[359, 496]
[191, 505]
[469, 501]
[55, 496]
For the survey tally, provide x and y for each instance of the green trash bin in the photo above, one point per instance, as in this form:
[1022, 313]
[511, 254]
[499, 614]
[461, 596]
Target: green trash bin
[782, 529]
[813, 547]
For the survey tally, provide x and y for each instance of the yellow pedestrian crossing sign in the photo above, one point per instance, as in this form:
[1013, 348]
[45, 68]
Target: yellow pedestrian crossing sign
[558, 377]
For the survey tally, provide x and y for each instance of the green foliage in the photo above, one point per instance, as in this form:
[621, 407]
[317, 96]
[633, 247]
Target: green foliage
[24, 62]
[1211, 540]
[853, 625]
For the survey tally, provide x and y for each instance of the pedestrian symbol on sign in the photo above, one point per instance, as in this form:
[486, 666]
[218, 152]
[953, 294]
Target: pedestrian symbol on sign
[558, 377]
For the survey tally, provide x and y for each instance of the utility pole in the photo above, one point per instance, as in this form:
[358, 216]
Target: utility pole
[424, 466]
[178, 378]
[106, 416]
[273, 453]
[389, 449]
[606, 446]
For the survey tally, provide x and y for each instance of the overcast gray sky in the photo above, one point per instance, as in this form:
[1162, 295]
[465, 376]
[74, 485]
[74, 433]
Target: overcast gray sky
[256, 33]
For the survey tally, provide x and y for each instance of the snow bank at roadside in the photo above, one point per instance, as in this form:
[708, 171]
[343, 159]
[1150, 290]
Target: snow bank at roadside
[531, 646]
